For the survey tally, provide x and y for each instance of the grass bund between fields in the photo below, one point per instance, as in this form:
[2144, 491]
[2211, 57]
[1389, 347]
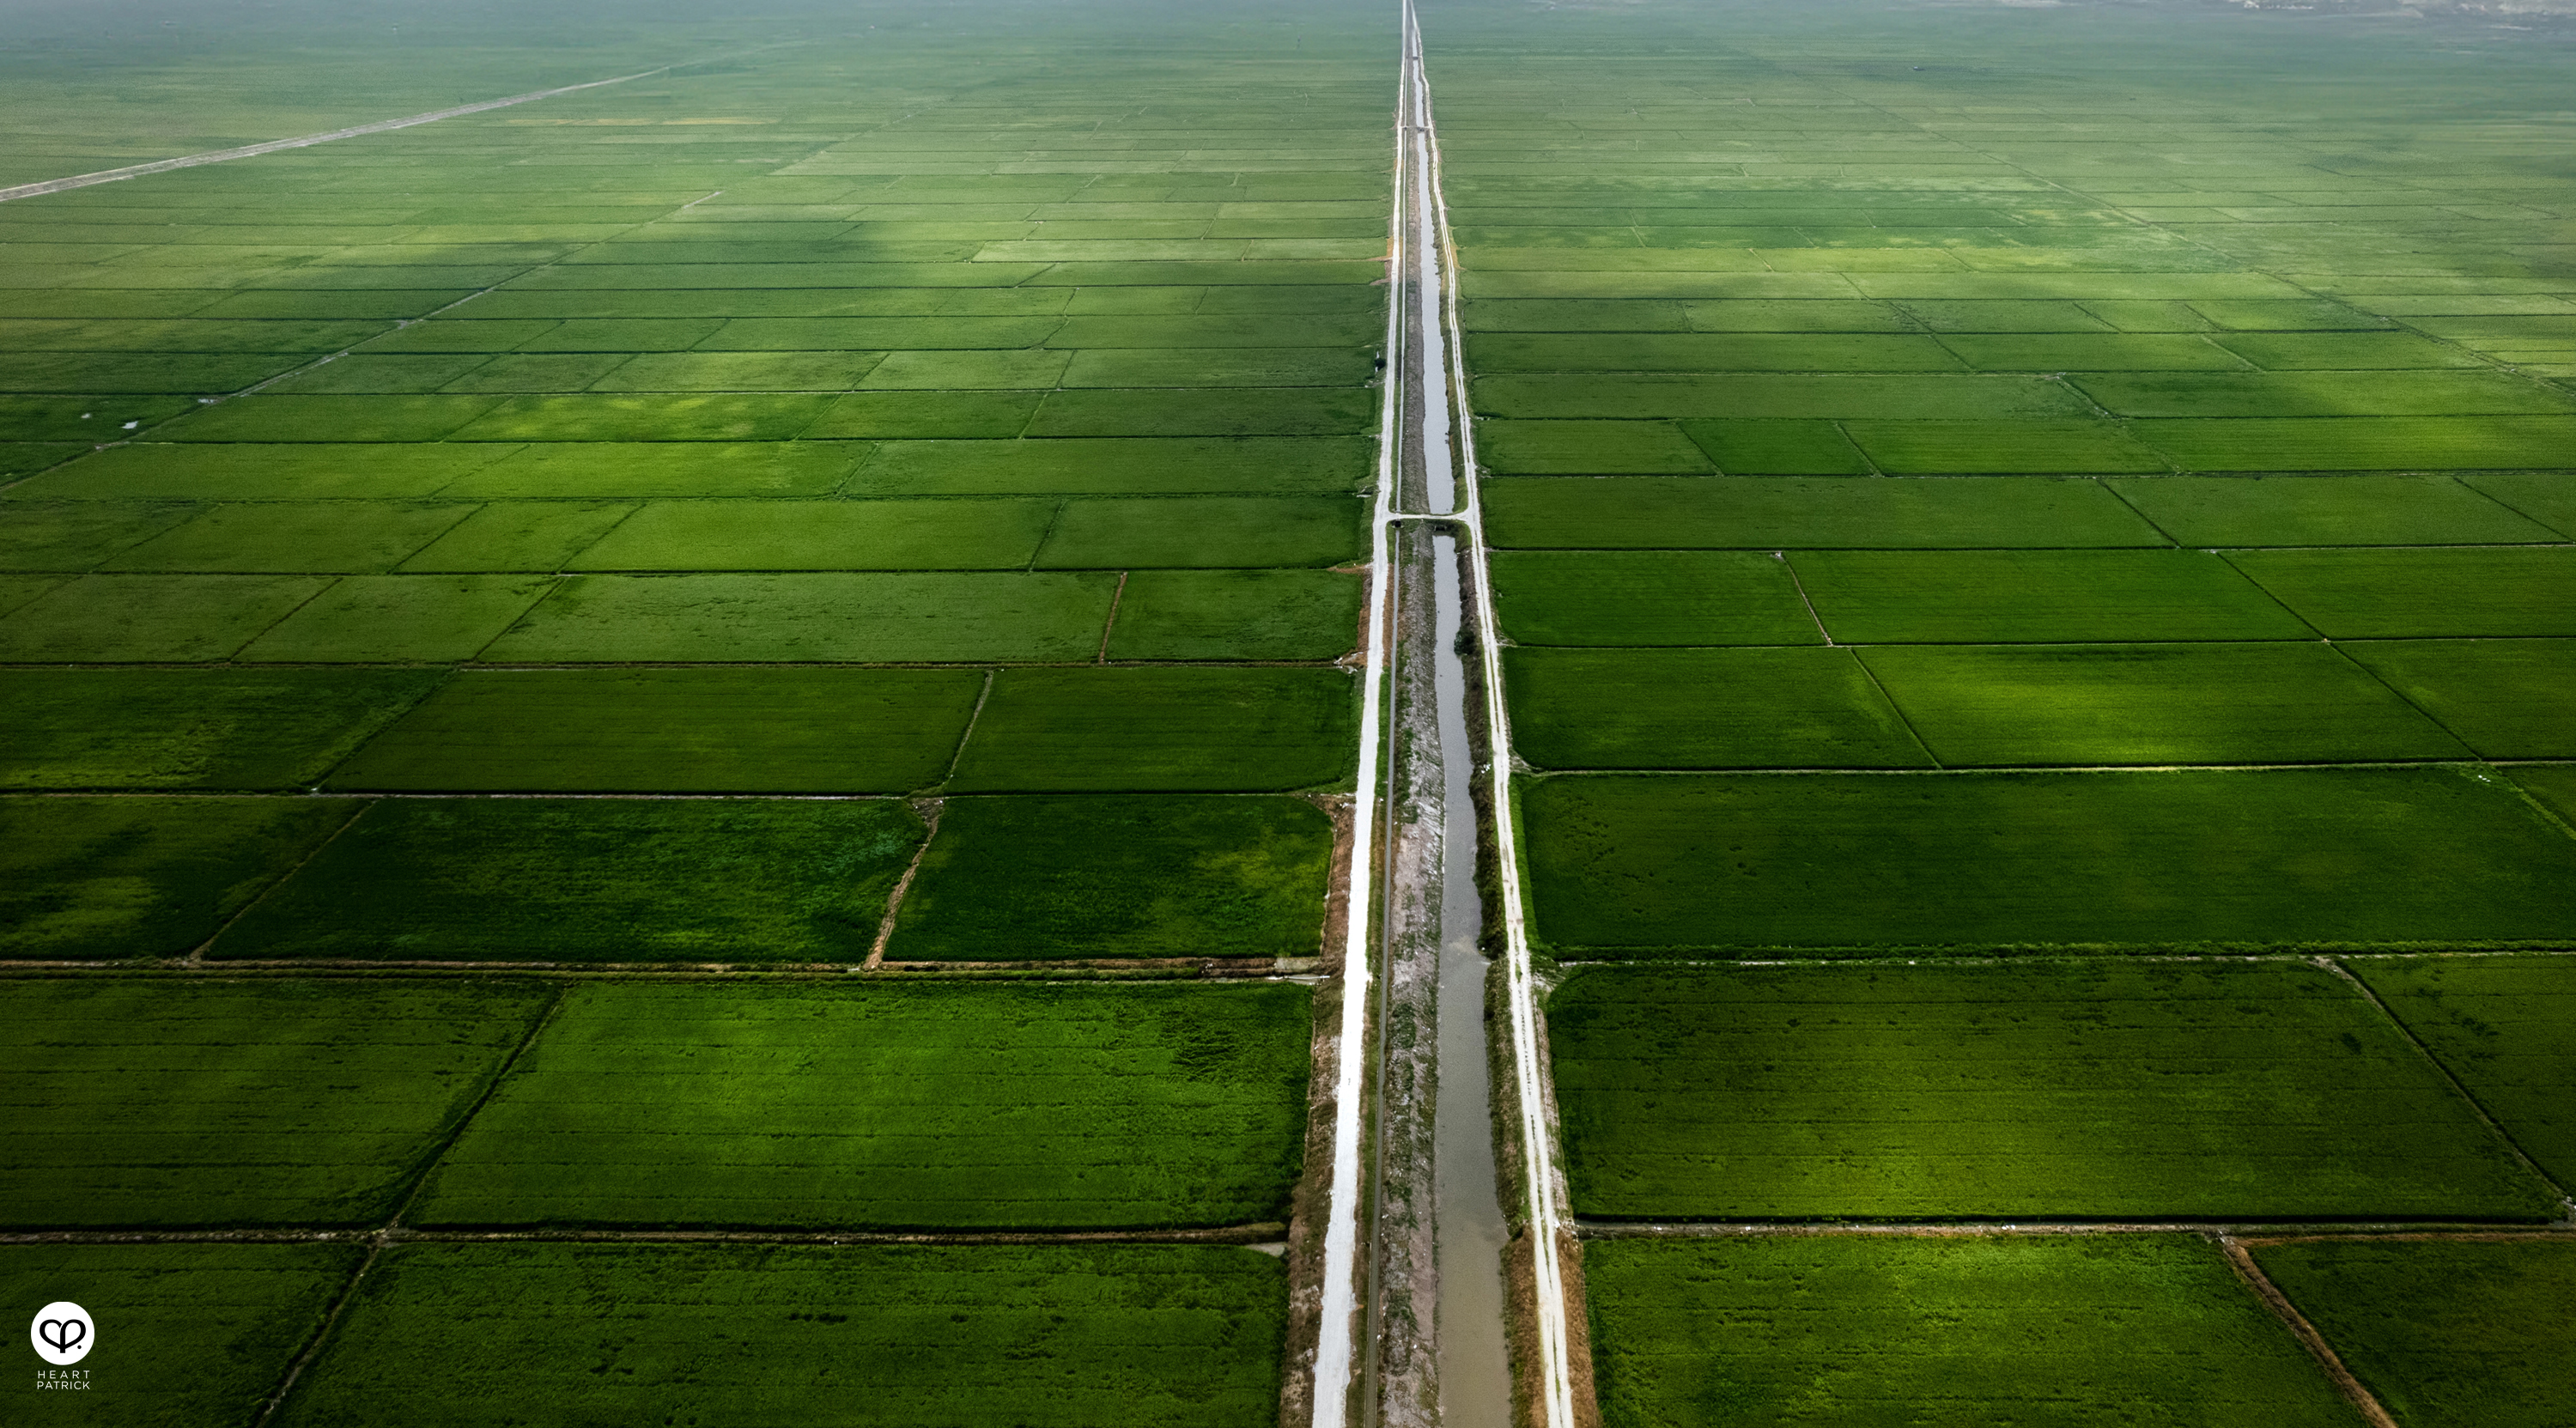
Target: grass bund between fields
[2033, 571]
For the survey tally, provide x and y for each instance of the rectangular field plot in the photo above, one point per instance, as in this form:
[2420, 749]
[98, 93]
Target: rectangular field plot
[2422, 594]
[1172, 465]
[109, 619]
[2506, 1026]
[2327, 510]
[2507, 699]
[1206, 531]
[925, 616]
[591, 880]
[2191, 858]
[1643, 598]
[2037, 597]
[557, 471]
[1185, 730]
[1776, 512]
[1702, 708]
[2445, 1334]
[2150, 1330]
[2153, 704]
[467, 1335]
[1236, 615]
[192, 728]
[1013, 878]
[2088, 1090]
[201, 1334]
[729, 730]
[823, 535]
[2362, 443]
[143, 877]
[73, 536]
[149, 1102]
[1099, 1105]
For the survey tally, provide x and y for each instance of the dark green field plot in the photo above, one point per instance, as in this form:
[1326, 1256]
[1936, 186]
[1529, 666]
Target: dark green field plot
[1702, 709]
[2506, 1026]
[2088, 1090]
[150, 1102]
[911, 616]
[2037, 597]
[591, 880]
[2420, 594]
[2507, 699]
[1208, 411]
[1185, 730]
[2298, 394]
[647, 468]
[400, 617]
[345, 470]
[2281, 857]
[191, 728]
[143, 877]
[1778, 448]
[76, 536]
[2548, 497]
[917, 416]
[359, 418]
[1013, 878]
[1171, 1336]
[1240, 466]
[2445, 1334]
[2362, 443]
[1937, 448]
[1772, 512]
[2150, 1330]
[1588, 448]
[107, 619]
[1649, 598]
[1237, 615]
[2152, 704]
[1762, 397]
[1203, 531]
[732, 730]
[1711, 352]
[198, 1335]
[824, 535]
[295, 536]
[733, 416]
[959, 1105]
[2328, 510]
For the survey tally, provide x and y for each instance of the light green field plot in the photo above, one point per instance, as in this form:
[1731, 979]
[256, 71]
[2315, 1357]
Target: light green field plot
[146, 1102]
[2343, 351]
[156, 471]
[191, 728]
[732, 730]
[910, 616]
[916, 416]
[2153, 704]
[589, 880]
[293, 536]
[2328, 511]
[943, 1105]
[2036, 596]
[2420, 594]
[356, 419]
[2154, 1330]
[2362, 443]
[1497, 352]
[731, 417]
[535, 536]
[236, 1314]
[2508, 699]
[143, 877]
[1778, 448]
[2090, 1090]
[1649, 598]
[1183, 730]
[2546, 497]
[1748, 708]
[77, 537]
[2501, 1026]
[1588, 448]
[1221, 411]
[104, 619]
[1236, 615]
[1940, 448]
[824, 535]
[1015, 878]
[1248, 466]
[401, 617]
[1205, 531]
[2442, 1333]
[1187, 1336]
[2085, 352]
[1768, 513]
[2324, 394]
[2281, 857]
[1774, 396]
[632, 469]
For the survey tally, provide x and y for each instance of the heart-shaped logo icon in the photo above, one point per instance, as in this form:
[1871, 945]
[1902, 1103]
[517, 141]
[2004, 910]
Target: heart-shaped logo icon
[63, 1333]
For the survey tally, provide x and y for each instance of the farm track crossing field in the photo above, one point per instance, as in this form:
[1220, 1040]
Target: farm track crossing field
[1179, 1335]
[987, 1106]
[2085, 1090]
